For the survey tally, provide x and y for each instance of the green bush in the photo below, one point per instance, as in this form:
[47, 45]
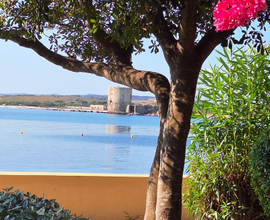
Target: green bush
[17, 205]
[48, 104]
[231, 108]
[260, 171]
[59, 103]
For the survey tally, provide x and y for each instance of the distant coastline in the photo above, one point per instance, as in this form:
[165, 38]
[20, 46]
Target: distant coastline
[95, 104]
[69, 108]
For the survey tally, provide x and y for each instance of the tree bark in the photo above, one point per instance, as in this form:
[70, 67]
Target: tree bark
[184, 75]
[151, 196]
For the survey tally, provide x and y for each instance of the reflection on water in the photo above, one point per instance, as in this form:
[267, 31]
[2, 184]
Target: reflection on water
[116, 129]
[116, 155]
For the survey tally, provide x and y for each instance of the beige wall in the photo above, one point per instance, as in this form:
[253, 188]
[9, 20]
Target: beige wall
[95, 196]
[97, 107]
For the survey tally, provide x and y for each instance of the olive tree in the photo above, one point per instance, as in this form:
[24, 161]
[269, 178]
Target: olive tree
[100, 36]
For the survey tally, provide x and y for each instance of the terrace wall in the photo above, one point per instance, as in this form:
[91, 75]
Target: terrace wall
[95, 196]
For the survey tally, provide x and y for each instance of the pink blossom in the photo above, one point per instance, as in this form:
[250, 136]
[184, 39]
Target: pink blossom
[230, 14]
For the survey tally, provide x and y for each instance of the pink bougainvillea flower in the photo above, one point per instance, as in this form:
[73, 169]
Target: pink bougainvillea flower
[230, 14]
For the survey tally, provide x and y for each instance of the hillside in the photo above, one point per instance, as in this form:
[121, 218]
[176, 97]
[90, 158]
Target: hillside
[63, 101]
[50, 101]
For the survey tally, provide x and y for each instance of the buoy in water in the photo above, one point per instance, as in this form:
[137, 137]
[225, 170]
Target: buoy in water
[131, 136]
[21, 132]
[81, 134]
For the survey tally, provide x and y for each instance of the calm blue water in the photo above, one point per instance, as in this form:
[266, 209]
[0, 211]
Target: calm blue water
[51, 142]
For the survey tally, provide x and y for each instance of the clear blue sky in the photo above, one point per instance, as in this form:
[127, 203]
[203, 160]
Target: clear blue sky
[23, 71]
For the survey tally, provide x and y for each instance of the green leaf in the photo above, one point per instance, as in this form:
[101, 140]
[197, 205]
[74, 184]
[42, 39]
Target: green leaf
[17, 192]
[95, 30]
[93, 21]
[29, 216]
[41, 211]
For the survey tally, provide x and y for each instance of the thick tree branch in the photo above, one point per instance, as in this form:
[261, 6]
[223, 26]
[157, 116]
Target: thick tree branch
[120, 55]
[151, 197]
[162, 32]
[123, 74]
[187, 26]
[210, 40]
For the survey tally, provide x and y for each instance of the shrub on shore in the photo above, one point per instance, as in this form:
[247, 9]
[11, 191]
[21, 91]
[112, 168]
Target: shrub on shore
[20, 205]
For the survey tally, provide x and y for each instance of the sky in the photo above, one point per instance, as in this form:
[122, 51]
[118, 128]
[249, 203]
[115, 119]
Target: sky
[23, 71]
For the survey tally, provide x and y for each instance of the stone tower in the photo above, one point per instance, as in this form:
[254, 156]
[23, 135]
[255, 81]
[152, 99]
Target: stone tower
[118, 99]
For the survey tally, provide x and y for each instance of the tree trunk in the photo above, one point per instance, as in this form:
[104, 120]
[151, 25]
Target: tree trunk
[184, 75]
[151, 197]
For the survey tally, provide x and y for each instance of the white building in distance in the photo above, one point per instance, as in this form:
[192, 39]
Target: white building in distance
[118, 99]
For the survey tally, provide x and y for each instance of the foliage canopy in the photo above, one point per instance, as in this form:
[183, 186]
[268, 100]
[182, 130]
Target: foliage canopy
[70, 25]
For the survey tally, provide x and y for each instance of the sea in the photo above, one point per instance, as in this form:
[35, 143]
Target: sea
[36, 140]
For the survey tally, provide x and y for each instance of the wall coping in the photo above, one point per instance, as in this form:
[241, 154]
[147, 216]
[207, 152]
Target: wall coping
[12, 173]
